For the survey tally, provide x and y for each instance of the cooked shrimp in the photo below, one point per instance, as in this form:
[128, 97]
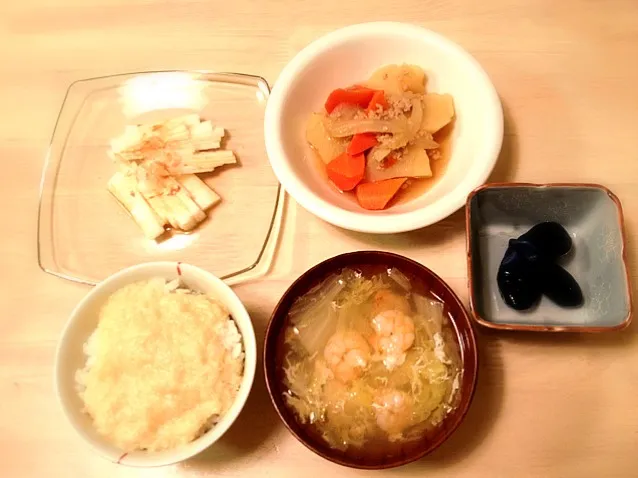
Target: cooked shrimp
[347, 354]
[393, 410]
[394, 336]
[386, 299]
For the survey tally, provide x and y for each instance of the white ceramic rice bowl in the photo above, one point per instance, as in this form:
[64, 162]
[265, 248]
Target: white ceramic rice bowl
[70, 358]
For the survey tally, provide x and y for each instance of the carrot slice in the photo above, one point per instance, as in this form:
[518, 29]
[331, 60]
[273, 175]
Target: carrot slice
[362, 142]
[377, 99]
[377, 195]
[355, 95]
[346, 171]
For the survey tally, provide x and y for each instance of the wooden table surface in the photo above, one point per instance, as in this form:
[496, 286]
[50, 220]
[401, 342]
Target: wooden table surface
[553, 406]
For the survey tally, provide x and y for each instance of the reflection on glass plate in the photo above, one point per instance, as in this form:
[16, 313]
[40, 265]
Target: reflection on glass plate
[158, 91]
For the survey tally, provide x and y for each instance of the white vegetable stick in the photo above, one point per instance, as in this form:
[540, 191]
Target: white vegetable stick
[203, 195]
[125, 191]
[177, 208]
[218, 132]
[205, 136]
[205, 161]
[206, 144]
[163, 209]
[184, 148]
[203, 130]
[192, 119]
[196, 215]
[175, 133]
[175, 211]
[225, 155]
[178, 151]
[128, 140]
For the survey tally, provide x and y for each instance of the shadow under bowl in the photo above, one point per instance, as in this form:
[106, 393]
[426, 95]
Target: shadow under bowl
[592, 216]
[453, 310]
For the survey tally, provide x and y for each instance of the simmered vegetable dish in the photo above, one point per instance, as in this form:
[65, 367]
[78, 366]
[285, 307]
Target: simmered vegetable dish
[379, 137]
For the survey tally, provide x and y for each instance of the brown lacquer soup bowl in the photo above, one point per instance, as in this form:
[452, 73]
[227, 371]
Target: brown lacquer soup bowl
[458, 333]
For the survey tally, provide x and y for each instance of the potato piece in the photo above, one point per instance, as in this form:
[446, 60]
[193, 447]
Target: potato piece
[438, 111]
[414, 163]
[397, 79]
[326, 146]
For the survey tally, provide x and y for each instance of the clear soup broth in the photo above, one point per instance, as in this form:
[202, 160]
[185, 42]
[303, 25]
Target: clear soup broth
[370, 362]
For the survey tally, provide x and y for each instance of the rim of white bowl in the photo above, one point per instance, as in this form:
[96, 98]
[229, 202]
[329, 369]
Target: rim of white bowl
[365, 222]
[185, 452]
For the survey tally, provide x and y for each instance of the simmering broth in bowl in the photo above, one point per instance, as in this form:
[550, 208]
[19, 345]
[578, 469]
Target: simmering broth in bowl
[370, 362]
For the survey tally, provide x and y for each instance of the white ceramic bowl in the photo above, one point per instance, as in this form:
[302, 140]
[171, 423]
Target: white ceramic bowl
[350, 55]
[83, 321]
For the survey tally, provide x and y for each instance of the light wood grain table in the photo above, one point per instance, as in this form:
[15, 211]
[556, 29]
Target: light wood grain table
[554, 406]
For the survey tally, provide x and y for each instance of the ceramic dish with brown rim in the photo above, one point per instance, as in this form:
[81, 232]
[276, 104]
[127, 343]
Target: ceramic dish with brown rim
[592, 216]
[373, 412]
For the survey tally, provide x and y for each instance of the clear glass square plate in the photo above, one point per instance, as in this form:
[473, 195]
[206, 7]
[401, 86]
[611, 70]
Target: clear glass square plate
[85, 235]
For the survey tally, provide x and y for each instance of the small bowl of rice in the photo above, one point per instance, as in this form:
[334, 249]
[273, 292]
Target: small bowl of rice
[155, 363]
